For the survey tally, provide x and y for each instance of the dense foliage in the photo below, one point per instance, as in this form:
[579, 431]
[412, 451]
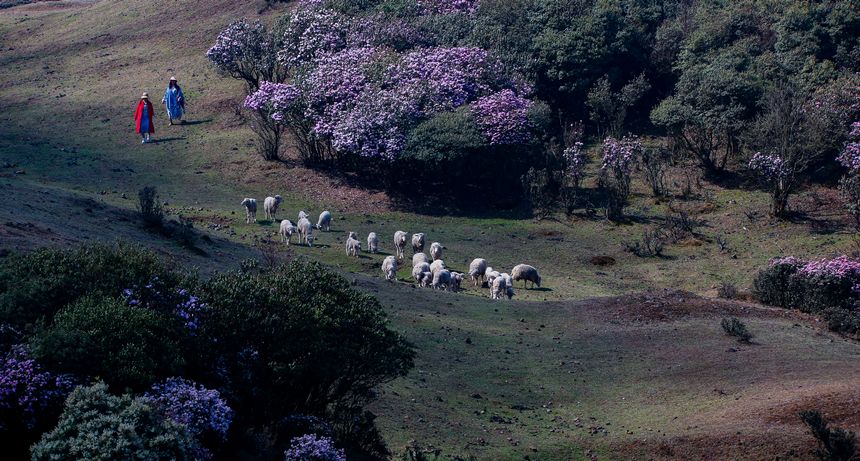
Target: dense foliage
[243, 362]
[830, 287]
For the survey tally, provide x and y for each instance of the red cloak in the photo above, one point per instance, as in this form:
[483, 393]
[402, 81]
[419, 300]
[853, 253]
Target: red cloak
[139, 114]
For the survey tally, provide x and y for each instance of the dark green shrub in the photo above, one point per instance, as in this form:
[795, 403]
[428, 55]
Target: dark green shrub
[833, 444]
[734, 327]
[296, 339]
[36, 285]
[149, 207]
[124, 345]
[772, 285]
[727, 291]
[98, 426]
[842, 320]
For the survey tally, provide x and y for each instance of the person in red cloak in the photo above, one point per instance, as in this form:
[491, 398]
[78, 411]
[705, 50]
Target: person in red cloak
[143, 118]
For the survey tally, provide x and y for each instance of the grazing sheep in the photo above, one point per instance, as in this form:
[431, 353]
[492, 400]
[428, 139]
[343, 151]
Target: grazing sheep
[303, 215]
[306, 232]
[442, 280]
[509, 291]
[477, 268]
[287, 231]
[352, 235]
[270, 206]
[419, 273]
[389, 268]
[372, 242]
[417, 243]
[526, 273]
[250, 205]
[419, 258]
[499, 288]
[456, 280]
[324, 222]
[437, 266]
[436, 250]
[399, 243]
[491, 276]
[353, 246]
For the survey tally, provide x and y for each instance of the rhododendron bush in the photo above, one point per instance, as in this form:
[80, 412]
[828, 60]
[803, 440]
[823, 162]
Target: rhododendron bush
[355, 85]
[830, 286]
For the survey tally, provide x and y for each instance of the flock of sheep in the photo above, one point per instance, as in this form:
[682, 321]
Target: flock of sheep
[428, 271]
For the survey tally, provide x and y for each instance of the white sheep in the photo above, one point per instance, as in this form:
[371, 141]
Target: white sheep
[306, 232]
[399, 243]
[353, 247]
[437, 266]
[499, 288]
[436, 250]
[419, 273]
[287, 230]
[419, 258]
[477, 268]
[526, 273]
[490, 276]
[303, 215]
[372, 242]
[389, 268]
[270, 206]
[417, 243]
[509, 283]
[250, 205]
[442, 280]
[324, 222]
[352, 235]
[456, 280]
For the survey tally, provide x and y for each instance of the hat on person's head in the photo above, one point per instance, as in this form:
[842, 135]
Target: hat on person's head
[144, 96]
[172, 79]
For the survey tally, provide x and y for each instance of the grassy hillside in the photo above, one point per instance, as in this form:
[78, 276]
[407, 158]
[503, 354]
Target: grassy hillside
[655, 372]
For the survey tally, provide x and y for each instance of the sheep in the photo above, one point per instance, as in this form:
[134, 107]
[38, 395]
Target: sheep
[419, 258]
[491, 275]
[456, 280]
[437, 265]
[250, 205]
[417, 243]
[442, 280]
[509, 291]
[287, 231]
[419, 273]
[306, 232]
[303, 215]
[389, 268]
[499, 288]
[477, 268]
[399, 243]
[352, 235]
[353, 246]
[372, 242]
[270, 206]
[436, 250]
[526, 273]
[324, 222]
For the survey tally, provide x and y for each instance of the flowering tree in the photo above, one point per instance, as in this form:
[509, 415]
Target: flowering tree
[309, 447]
[504, 117]
[619, 158]
[247, 51]
[202, 411]
[849, 185]
[778, 175]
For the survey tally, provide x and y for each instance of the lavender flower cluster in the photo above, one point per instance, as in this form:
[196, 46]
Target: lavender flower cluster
[503, 117]
[27, 389]
[850, 156]
[311, 33]
[182, 303]
[575, 160]
[199, 409]
[309, 447]
[770, 166]
[841, 267]
[241, 44]
[620, 156]
[449, 6]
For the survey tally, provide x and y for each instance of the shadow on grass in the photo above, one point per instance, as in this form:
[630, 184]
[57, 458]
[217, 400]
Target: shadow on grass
[174, 138]
[196, 122]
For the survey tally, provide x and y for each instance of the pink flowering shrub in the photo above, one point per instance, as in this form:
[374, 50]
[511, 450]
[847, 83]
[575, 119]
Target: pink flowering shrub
[449, 6]
[811, 286]
[619, 159]
[575, 160]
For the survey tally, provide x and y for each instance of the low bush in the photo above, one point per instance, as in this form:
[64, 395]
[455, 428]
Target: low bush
[149, 207]
[834, 444]
[727, 291]
[651, 244]
[734, 327]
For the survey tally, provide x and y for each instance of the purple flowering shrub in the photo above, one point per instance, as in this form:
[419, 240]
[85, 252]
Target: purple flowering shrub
[202, 411]
[504, 117]
[176, 301]
[29, 394]
[619, 159]
[448, 6]
[247, 51]
[309, 447]
[811, 286]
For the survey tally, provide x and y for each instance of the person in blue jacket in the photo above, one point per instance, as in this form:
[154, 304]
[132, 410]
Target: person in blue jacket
[174, 101]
